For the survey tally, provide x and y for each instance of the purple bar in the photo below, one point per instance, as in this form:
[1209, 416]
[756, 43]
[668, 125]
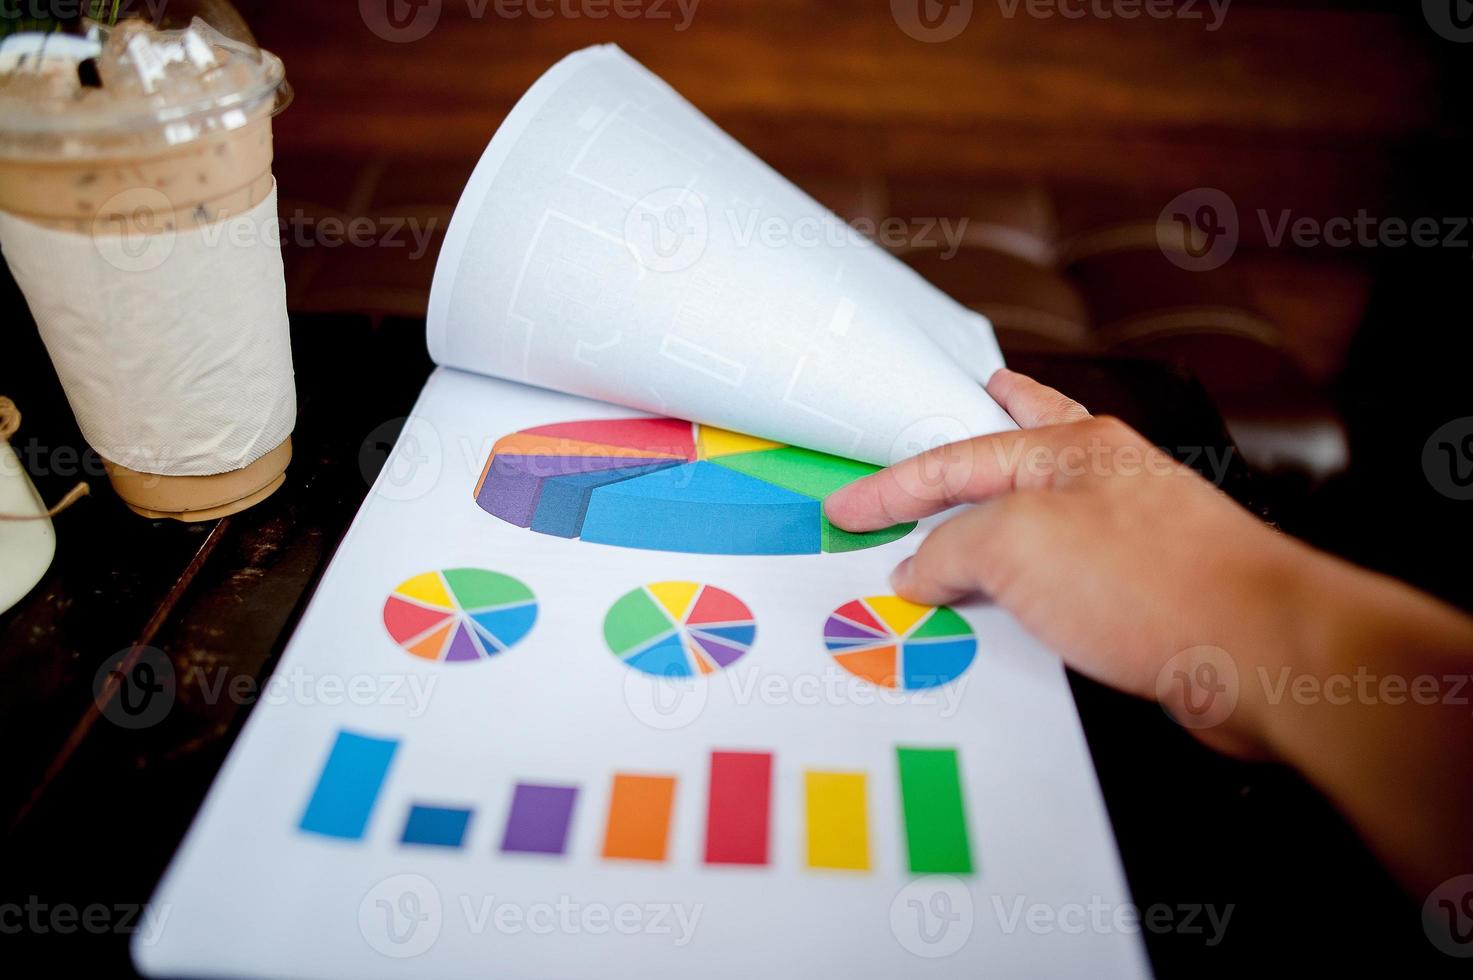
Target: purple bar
[539, 819]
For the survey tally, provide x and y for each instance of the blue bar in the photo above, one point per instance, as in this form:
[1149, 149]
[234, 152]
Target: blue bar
[350, 783]
[439, 826]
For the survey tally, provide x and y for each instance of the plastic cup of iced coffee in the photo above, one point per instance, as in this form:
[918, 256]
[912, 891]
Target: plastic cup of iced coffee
[123, 141]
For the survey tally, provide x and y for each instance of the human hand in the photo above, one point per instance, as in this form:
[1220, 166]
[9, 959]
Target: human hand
[1109, 551]
[1139, 573]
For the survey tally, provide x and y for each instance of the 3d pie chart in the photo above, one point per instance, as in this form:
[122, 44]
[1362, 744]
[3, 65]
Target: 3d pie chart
[668, 485]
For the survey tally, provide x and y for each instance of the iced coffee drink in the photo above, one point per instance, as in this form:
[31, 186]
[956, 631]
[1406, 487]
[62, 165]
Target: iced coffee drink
[137, 209]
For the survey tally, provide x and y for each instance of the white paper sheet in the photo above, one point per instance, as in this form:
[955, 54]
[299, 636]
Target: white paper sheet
[614, 243]
[251, 895]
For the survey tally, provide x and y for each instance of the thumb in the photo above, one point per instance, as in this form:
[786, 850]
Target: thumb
[971, 553]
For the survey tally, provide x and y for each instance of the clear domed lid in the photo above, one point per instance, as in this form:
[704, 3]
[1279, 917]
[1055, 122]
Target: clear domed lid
[132, 76]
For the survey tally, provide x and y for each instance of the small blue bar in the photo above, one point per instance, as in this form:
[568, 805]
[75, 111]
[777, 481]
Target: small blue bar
[348, 786]
[438, 826]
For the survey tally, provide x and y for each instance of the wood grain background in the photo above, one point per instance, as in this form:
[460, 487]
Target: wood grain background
[1309, 102]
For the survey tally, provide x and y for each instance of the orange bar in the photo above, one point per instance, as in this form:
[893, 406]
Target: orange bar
[639, 817]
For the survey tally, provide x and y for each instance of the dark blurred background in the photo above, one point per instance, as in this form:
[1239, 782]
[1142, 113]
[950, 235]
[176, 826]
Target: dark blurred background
[1067, 141]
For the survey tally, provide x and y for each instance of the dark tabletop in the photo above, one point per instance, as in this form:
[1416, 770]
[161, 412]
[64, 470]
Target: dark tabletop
[93, 808]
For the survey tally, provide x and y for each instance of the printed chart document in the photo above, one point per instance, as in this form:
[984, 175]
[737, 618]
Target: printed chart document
[593, 692]
[538, 721]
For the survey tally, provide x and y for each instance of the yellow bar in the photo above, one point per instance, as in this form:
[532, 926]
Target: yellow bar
[838, 820]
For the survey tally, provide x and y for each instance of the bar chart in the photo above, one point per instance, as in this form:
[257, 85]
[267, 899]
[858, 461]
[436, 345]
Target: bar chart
[737, 789]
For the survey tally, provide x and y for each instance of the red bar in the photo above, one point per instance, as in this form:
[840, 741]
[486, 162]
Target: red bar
[737, 807]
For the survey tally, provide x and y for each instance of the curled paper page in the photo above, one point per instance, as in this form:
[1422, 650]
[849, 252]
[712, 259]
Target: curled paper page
[614, 243]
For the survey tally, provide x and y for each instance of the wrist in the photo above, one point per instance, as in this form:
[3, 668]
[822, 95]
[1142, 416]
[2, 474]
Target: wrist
[1346, 638]
[1272, 634]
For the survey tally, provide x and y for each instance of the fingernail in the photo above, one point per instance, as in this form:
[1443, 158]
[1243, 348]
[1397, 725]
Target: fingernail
[901, 574]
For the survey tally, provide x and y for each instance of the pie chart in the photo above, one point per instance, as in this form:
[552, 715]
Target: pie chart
[679, 629]
[894, 643]
[667, 485]
[460, 614]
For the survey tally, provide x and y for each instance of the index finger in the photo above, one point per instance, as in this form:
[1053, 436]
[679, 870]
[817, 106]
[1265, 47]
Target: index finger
[959, 473]
[963, 472]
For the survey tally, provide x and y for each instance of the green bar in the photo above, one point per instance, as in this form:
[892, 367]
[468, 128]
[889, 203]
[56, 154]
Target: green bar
[935, 816]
